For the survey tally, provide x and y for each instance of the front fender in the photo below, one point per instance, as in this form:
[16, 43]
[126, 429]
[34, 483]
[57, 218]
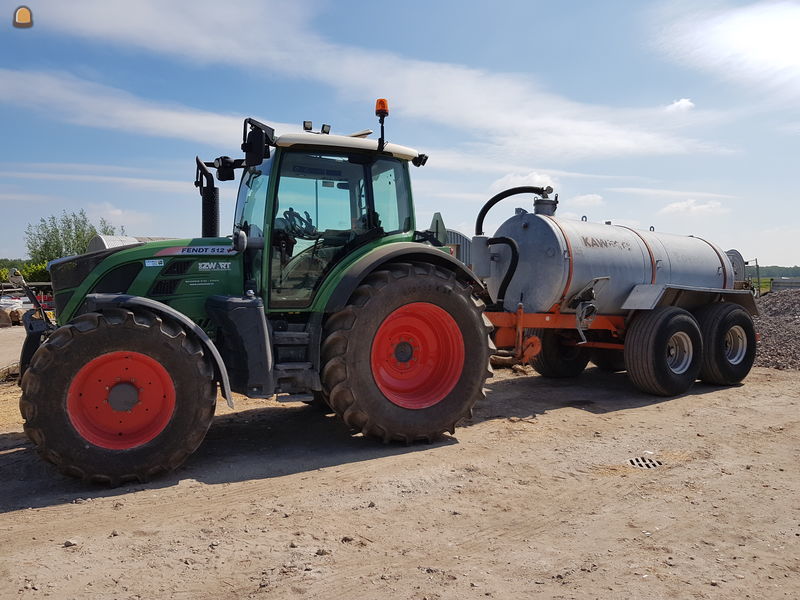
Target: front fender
[96, 302]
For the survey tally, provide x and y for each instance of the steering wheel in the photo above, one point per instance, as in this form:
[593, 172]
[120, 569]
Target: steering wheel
[298, 226]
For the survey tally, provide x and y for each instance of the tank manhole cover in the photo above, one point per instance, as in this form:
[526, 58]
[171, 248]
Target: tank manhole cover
[644, 463]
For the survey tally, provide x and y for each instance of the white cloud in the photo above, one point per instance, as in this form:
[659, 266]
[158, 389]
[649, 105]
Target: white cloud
[587, 200]
[481, 161]
[155, 185]
[506, 111]
[91, 104]
[666, 193]
[692, 207]
[130, 219]
[520, 179]
[12, 197]
[680, 106]
[756, 45]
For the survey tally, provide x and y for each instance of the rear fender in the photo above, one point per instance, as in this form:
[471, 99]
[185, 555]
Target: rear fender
[96, 302]
[398, 252]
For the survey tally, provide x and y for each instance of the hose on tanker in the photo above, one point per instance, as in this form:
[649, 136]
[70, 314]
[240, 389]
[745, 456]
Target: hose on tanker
[512, 267]
[524, 189]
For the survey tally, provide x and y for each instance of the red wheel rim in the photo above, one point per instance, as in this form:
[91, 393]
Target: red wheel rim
[121, 400]
[417, 355]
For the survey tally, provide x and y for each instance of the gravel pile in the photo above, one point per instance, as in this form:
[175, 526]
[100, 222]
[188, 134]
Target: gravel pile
[779, 325]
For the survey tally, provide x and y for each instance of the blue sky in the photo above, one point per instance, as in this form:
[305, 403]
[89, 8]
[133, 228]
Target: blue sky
[679, 115]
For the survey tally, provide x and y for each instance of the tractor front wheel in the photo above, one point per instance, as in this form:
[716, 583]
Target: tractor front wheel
[407, 358]
[118, 396]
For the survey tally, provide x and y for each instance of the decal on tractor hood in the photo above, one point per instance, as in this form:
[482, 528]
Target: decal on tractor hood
[197, 250]
[214, 266]
[154, 262]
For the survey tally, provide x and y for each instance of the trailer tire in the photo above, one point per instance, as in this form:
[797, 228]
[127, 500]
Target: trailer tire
[606, 359]
[556, 359]
[85, 412]
[406, 359]
[729, 343]
[663, 351]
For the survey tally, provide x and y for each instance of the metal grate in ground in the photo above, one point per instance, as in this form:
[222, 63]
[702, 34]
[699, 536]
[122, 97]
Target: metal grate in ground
[644, 463]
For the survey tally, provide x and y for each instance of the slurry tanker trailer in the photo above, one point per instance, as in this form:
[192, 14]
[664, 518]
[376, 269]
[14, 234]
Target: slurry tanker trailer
[326, 287]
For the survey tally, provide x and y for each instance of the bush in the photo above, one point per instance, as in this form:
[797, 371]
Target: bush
[35, 272]
[64, 235]
[30, 271]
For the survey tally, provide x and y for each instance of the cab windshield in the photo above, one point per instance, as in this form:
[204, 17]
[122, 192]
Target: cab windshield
[251, 202]
[328, 204]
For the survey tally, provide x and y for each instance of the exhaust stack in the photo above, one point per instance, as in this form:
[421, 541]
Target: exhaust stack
[209, 195]
[210, 208]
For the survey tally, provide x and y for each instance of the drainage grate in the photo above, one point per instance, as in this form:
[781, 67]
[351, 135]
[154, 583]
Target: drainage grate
[644, 463]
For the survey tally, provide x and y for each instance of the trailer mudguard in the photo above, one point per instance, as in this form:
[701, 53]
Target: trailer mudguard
[95, 302]
[649, 296]
[396, 252]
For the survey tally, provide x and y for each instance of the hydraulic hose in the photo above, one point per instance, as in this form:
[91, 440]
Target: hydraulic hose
[512, 268]
[525, 189]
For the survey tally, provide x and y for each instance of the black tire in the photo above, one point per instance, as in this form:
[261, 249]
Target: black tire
[557, 359]
[319, 402]
[729, 343]
[663, 351]
[59, 387]
[350, 346]
[609, 360]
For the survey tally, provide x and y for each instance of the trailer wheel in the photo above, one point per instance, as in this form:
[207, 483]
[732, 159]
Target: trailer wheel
[557, 359]
[118, 396]
[609, 360]
[729, 343]
[407, 358]
[663, 351]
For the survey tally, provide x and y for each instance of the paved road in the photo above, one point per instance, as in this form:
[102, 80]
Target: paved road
[11, 339]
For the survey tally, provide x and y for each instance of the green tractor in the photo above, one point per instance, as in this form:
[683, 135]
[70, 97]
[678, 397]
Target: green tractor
[324, 288]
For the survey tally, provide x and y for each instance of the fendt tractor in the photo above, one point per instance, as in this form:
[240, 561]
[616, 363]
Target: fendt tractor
[326, 288]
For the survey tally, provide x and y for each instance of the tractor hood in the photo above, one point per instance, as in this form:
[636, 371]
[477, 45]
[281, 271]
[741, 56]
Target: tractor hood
[177, 272]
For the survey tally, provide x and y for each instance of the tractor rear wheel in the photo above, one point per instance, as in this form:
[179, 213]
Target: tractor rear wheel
[118, 396]
[407, 358]
[729, 343]
[557, 359]
[663, 351]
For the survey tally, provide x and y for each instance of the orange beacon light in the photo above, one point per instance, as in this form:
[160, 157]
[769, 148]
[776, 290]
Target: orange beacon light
[381, 107]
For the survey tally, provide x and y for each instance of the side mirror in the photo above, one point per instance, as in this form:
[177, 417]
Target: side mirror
[256, 142]
[239, 240]
[255, 148]
[225, 166]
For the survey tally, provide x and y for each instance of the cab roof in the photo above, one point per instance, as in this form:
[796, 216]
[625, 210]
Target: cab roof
[343, 141]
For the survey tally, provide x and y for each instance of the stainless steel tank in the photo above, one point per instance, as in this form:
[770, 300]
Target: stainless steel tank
[558, 257]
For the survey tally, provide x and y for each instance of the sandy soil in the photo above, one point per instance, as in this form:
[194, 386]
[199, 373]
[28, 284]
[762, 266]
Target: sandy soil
[532, 497]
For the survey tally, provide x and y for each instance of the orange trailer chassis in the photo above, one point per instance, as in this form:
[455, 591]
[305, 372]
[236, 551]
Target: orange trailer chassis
[510, 330]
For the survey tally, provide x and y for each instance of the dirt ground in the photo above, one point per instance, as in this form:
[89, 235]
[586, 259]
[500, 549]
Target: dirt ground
[533, 497]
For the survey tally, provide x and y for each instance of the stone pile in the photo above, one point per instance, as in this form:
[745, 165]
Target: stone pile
[779, 325]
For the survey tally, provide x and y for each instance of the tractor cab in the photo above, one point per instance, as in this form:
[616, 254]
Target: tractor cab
[314, 202]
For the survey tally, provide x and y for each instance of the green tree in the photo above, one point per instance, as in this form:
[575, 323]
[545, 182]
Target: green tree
[64, 235]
